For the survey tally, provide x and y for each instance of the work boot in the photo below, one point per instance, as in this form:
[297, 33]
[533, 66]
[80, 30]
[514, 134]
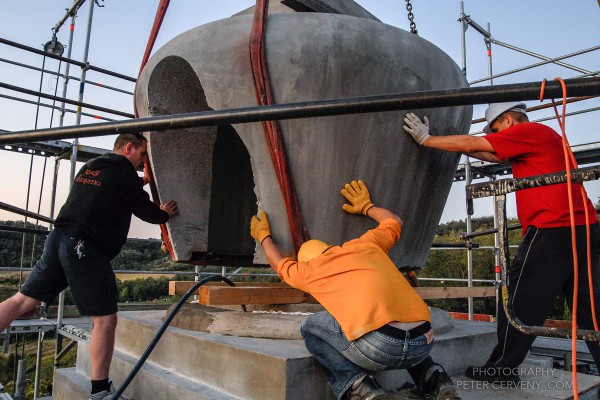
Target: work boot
[439, 386]
[492, 374]
[368, 389]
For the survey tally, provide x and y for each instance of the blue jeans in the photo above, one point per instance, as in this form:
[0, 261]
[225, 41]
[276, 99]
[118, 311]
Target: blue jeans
[346, 361]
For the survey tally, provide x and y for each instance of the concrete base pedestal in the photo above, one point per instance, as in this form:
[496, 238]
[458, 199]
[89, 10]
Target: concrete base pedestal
[198, 365]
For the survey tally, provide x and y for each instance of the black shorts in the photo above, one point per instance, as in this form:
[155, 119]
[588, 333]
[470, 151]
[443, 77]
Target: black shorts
[71, 262]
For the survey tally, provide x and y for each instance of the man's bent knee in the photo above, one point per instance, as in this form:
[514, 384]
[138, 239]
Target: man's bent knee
[22, 303]
[105, 322]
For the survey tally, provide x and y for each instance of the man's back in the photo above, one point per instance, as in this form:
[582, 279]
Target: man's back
[535, 149]
[358, 283]
[105, 193]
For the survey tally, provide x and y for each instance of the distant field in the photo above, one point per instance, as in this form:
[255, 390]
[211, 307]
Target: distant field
[129, 277]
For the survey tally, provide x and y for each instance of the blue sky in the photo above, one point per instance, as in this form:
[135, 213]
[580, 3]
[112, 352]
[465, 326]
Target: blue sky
[120, 30]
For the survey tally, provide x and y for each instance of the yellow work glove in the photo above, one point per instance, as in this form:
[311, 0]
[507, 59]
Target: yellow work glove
[260, 228]
[358, 195]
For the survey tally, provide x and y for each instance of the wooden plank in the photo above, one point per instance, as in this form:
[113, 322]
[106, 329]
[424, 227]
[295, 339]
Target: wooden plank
[452, 292]
[280, 293]
[178, 288]
[225, 295]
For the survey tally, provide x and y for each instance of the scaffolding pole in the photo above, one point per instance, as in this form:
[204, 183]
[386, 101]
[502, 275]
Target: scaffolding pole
[354, 105]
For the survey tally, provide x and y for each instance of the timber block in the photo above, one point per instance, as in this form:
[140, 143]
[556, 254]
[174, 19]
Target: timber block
[217, 294]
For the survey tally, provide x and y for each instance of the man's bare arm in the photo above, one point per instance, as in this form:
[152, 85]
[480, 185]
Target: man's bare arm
[460, 143]
[271, 252]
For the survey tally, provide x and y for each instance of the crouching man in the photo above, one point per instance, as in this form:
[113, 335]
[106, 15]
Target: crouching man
[375, 320]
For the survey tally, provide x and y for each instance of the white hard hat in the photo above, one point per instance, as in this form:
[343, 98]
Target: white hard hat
[497, 109]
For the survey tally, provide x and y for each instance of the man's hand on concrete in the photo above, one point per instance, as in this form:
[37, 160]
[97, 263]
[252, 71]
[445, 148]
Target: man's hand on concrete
[358, 196]
[170, 208]
[260, 228]
[417, 129]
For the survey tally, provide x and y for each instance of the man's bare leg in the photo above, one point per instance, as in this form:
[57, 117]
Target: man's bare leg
[14, 307]
[102, 345]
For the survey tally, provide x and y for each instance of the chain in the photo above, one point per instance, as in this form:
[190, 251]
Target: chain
[413, 26]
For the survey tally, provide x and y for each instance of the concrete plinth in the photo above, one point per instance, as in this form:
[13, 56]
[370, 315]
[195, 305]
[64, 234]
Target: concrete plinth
[198, 365]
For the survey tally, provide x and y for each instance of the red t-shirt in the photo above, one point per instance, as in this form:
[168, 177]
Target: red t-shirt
[535, 149]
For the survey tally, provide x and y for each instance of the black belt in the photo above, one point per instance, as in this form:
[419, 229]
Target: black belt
[398, 333]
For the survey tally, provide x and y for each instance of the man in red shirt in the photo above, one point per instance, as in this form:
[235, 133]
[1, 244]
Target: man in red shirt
[543, 264]
[375, 320]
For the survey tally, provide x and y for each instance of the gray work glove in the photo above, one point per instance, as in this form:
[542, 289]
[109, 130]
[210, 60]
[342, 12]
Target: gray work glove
[417, 129]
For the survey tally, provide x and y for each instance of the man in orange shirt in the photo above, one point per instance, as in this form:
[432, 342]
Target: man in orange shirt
[375, 320]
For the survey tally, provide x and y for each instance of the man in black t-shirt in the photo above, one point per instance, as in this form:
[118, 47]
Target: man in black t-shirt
[88, 233]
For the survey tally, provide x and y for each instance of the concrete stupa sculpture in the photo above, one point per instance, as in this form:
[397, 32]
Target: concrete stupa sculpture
[222, 175]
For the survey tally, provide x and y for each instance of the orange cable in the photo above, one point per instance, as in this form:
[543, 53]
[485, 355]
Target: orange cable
[570, 157]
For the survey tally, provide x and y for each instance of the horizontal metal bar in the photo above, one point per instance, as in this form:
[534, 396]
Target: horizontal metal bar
[26, 213]
[487, 232]
[456, 280]
[541, 57]
[68, 60]
[533, 66]
[494, 230]
[54, 107]
[356, 105]
[132, 271]
[32, 326]
[63, 76]
[456, 245]
[505, 186]
[62, 99]
[6, 228]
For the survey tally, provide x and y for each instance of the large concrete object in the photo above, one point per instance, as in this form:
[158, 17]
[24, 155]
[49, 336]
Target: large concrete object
[222, 175]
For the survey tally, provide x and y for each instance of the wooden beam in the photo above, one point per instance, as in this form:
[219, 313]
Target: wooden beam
[453, 292]
[280, 293]
[225, 295]
[179, 288]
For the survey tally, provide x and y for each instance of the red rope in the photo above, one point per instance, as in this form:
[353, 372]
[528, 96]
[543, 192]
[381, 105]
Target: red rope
[264, 96]
[158, 19]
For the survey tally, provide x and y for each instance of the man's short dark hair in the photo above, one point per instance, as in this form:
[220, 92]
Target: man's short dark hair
[137, 139]
[517, 116]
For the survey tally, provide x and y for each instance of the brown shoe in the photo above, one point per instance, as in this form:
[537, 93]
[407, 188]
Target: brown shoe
[439, 386]
[368, 389]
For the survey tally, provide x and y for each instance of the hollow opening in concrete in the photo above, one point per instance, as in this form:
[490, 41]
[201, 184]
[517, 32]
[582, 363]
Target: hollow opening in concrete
[206, 169]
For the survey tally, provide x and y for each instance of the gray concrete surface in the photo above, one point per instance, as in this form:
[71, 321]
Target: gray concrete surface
[202, 366]
[221, 176]
[246, 368]
[224, 321]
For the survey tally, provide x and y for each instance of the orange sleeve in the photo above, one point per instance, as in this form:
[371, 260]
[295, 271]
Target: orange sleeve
[287, 269]
[385, 235]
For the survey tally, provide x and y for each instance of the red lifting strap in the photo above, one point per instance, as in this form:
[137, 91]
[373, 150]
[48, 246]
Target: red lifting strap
[264, 96]
[158, 19]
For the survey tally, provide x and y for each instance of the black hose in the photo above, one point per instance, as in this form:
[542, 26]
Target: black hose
[162, 330]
